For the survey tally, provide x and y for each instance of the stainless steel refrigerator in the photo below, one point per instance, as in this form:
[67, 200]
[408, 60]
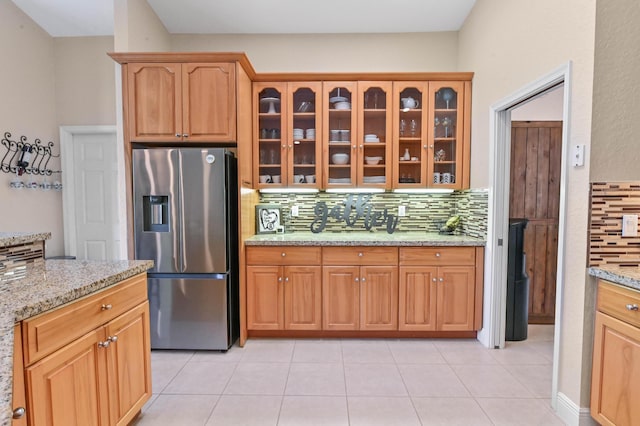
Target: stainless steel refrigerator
[185, 219]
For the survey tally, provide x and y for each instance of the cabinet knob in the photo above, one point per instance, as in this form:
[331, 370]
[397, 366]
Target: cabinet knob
[357, 279]
[185, 135]
[284, 146]
[434, 279]
[424, 146]
[106, 307]
[286, 279]
[112, 339]
[361, 146]
[441, 279]
[284, 254]
[19, 413]
[437, 254]
[279, 279]
[104, 344]
[360, 254]
[290, 146]
[177, 135]
[631, 307]
[363, 279]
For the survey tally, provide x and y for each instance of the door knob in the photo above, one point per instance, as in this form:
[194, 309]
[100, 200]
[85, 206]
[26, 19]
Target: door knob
[19, 413]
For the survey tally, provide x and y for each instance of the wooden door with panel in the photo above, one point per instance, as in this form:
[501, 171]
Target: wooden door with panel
[209, 102]
[378, 298]
[265, 298]
[304, 134]
[410, 150]
[340, 297]
[302, 298]
[154, 102]
[340, 127]
[270, 135]
[456, 298]
[417, 298]
[129, 364]
[374, 134]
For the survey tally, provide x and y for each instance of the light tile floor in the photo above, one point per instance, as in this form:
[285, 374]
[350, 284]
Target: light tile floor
[356, 382]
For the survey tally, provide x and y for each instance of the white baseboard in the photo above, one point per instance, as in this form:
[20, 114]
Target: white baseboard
[572, 414]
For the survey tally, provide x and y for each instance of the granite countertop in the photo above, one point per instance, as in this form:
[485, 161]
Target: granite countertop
[15, 238]
[30, 290]
[363, 239]
[628, 277]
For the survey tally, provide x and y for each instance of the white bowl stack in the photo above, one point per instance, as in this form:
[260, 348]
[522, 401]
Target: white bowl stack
[310, 133]
[372, 161]
[340, 158]
[371, 138]
[298, 133]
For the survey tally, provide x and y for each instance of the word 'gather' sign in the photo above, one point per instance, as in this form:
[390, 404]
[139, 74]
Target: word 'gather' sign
[353, 209]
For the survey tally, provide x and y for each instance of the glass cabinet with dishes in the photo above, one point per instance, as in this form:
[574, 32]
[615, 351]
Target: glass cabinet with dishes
[270, 134]
[339, 121]
[373, 152]
[446, 133]
[410, 148]
[304, 134]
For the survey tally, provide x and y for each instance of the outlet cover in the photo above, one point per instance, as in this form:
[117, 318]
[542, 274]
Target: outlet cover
[294, 211]
[402, 211]
[630, 225]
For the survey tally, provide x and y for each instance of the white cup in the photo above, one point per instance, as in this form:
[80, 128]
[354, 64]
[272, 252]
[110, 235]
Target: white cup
[275, 178]
[311, 133]
[265, 179]
[448, 178]
[436, 177]
[298, 178]
[310, 178]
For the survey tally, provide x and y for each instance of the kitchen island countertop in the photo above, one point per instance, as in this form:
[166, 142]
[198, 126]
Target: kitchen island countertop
[16, 238]
[30, 290]
[363, 239]
[628, 277]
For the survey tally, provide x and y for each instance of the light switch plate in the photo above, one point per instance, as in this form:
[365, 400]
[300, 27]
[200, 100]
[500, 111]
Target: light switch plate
[630, 225]
[294, 211]
[402, 211]
[578, 155]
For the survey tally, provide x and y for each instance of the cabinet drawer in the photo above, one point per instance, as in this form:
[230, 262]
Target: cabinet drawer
[360, 256]
[419, 256]
[619, 302]
[283, 255]
[51, 330]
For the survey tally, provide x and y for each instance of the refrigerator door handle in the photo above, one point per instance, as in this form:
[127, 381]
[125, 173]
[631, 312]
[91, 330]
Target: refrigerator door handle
[183, 248]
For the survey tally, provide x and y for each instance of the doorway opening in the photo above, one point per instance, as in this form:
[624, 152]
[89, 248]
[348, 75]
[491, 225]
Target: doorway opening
[493, 334]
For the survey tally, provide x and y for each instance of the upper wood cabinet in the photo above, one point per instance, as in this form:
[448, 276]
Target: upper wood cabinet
[287, 134]
[340, 126]
[169, 102]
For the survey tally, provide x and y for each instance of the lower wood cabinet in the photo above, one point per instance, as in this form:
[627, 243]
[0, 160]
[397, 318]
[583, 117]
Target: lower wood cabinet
[615, 379]
[102, 377]
[366, 288]
[438, 289]
[19, 402]
[363, 295]
[286, 296]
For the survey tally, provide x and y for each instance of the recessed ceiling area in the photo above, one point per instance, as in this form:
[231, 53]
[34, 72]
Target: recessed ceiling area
[73, 18]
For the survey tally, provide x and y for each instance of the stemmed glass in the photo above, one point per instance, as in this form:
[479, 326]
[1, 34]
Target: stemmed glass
[446, 122]
[447, 95]
[436, 123]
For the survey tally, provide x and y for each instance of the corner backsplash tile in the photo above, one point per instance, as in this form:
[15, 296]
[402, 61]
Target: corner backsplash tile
[424, 212]
[609, 201]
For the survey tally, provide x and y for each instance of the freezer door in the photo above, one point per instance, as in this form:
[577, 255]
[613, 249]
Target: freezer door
[189, 313]
[203, 205]
[156, 180]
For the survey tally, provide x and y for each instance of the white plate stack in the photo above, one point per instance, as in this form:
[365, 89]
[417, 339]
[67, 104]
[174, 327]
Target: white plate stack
[298, 133]
[371, 138]
[310, 133]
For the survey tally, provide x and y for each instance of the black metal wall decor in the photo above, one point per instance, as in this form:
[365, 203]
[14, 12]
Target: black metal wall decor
[22, 157]
[350, 211]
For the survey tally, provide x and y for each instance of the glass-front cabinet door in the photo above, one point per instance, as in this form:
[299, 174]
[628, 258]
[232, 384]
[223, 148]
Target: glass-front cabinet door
[304, 134]
[410, 136]
[270, 134]
[446, 134]
[374, 132]
[340, 163]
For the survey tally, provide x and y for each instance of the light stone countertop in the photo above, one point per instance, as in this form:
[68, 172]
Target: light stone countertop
[628, 277]
[363, 239]
[16, 238]
[31, 290]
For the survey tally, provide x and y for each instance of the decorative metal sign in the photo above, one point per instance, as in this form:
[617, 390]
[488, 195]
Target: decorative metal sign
[353, 209]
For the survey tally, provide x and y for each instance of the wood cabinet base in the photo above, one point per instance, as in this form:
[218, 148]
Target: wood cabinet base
[360, 334]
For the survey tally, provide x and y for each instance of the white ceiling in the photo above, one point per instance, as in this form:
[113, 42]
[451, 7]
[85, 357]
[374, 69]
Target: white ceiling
[69, 18]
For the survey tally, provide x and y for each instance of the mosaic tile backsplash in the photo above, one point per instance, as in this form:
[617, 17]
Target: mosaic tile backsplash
[607, 246]
[424, 212]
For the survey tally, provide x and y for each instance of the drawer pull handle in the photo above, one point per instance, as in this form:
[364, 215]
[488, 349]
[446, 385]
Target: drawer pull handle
[631, 307]
[19, 413]
[106, 307]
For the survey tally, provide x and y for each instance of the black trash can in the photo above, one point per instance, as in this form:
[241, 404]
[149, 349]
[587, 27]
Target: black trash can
[517, 283]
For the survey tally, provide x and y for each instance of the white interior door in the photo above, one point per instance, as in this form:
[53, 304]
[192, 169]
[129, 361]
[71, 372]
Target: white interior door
[90, 201]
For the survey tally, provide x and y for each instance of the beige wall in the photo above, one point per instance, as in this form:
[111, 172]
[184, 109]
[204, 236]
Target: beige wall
[84, 81]
[137, 28]
[615, 152]
[510, 44]
[419, 52]
[28, 108]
